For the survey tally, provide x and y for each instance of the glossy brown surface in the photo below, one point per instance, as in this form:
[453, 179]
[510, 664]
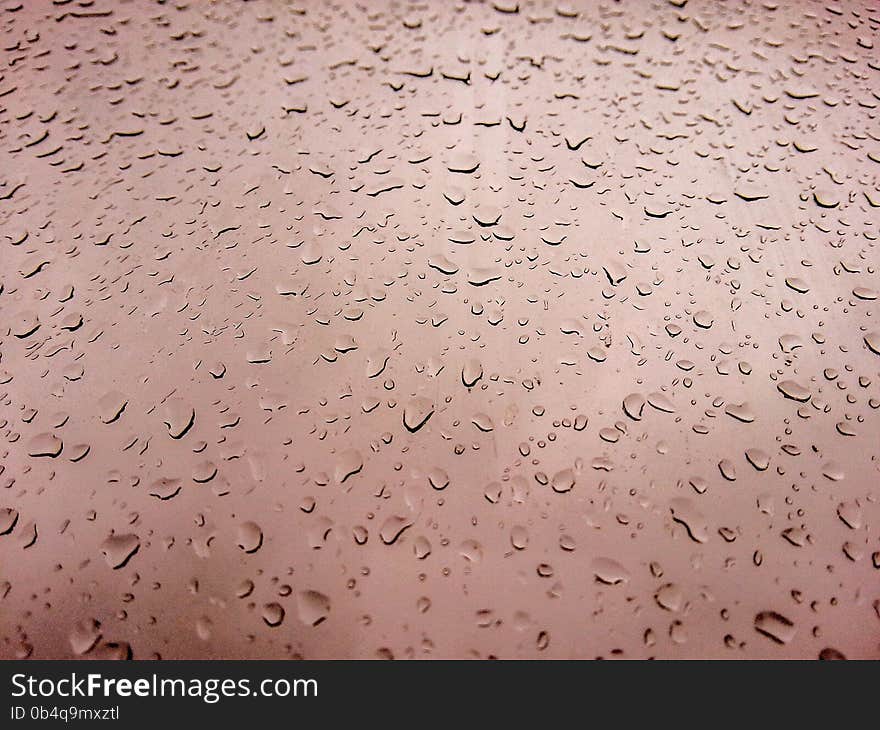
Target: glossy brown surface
[388, 329]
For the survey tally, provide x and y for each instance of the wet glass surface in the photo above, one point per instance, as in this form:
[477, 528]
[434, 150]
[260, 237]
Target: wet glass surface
[437, 330]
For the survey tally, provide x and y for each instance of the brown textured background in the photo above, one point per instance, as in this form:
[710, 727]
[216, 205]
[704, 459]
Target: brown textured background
[388, 329]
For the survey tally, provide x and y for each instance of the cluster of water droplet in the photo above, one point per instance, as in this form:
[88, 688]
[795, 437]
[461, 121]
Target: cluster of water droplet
[414, 329]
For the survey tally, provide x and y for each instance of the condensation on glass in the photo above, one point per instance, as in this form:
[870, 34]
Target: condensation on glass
[429, 330]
